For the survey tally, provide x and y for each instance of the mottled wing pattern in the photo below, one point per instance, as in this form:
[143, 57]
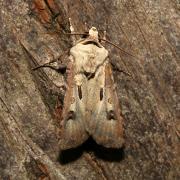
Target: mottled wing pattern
[73, 128]
[105, 120]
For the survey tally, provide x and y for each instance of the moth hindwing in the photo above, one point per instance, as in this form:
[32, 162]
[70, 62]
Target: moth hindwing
[91, 105]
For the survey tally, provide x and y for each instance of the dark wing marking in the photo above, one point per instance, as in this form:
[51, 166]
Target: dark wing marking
[105, 123]
[73, 128]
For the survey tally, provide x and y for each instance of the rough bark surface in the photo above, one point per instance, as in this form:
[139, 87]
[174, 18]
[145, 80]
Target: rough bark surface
[150, 102]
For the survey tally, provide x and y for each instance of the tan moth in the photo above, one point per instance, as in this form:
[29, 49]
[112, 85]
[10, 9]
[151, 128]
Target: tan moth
[91, 106]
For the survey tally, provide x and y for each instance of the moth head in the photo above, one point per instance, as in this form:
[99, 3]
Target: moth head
[93, 33]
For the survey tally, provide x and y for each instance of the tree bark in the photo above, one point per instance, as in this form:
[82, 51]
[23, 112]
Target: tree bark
[33, 33]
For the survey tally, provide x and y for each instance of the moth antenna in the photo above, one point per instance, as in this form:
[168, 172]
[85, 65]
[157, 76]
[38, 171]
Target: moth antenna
[122, 51]
[117, 47]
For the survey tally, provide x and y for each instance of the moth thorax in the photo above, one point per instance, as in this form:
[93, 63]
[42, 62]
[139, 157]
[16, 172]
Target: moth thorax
[93, 33]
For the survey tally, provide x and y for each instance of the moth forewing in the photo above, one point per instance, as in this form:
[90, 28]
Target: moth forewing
[113, 109]
[105, 124]
[91, 105]
[73, 128]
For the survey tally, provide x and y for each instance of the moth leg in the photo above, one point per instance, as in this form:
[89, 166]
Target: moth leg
[58, 67]
[115, 68]
[55, 64]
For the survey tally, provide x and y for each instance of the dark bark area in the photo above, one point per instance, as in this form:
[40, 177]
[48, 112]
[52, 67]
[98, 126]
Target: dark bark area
[150, 102]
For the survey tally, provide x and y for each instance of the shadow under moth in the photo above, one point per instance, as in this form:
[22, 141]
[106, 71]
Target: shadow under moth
[91, 106]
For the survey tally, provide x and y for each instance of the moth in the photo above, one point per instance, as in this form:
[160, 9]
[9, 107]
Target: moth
[91, 106]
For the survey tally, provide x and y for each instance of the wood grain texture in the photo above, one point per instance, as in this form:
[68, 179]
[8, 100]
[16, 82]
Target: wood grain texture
[149, 102]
